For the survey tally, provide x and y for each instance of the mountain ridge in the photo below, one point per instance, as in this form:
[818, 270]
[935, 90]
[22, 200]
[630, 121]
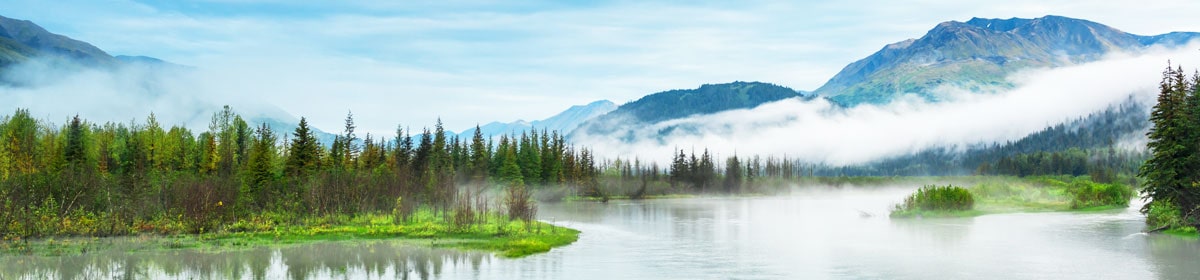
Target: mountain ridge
[681, 103]
[562, 122]
[37, 42]
[979, 54]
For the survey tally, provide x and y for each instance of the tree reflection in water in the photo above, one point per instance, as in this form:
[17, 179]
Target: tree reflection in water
[324, 260]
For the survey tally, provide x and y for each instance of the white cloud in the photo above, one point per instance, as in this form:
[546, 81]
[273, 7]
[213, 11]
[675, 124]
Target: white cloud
[819, 132]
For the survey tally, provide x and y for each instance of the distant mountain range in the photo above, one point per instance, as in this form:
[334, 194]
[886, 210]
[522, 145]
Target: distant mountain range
[680, 103]
[562, 122]
[979, 54]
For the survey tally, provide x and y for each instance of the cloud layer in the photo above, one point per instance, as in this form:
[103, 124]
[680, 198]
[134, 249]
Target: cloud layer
[819, 132]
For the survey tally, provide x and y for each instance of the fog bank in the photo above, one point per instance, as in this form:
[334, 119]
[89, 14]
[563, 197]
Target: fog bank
[819, 131]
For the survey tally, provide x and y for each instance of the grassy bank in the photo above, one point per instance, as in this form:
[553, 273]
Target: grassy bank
[495, 233]
[1166, 218]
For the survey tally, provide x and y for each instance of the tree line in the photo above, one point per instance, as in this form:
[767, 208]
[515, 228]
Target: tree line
[85, 178]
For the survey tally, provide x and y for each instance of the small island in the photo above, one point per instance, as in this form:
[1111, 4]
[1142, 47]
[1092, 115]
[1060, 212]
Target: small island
[1000, 194]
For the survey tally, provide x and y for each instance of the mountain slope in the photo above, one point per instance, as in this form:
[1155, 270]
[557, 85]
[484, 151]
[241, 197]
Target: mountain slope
[21, 40]
[979, 54]
[563, 122]
[680, 103]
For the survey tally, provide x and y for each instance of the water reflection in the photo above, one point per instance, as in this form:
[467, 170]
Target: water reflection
[1174, 258]
[324, 260]
[816, 233]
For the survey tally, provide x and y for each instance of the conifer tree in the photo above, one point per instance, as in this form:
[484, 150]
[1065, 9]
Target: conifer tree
[260, 173]
[509, 171]
[733, 174]
[479, 157]
[75, 151]
[349, 142]
[304, 154]
[529, 158]
[1166, 171]
[402, 155]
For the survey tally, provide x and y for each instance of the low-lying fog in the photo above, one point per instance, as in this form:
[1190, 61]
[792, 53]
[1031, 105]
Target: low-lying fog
[818, 131]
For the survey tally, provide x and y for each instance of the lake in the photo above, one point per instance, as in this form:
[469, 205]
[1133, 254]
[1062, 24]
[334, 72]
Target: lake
[819, 233]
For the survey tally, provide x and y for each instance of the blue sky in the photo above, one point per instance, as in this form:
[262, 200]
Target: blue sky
[468, 62]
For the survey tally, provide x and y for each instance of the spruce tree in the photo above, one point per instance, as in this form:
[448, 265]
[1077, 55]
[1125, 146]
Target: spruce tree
[259, 173]
[479, 157]
[75, 151]
[1166, 171]
[733, 174]
[304, 154]
[402, 155]
[349, 143]
[510, 171]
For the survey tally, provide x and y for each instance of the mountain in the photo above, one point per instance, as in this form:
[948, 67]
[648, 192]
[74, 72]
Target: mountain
[563, 122]
[680, 103]
[21, 40]
[979, 54]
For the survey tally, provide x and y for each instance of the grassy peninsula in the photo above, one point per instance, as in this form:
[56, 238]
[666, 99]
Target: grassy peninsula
[998, 194]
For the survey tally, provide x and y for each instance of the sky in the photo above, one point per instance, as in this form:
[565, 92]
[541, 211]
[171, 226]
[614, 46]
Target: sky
[472, 62]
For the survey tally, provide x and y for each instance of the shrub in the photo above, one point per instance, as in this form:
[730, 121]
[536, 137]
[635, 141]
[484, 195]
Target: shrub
[1085, 193]
[399, 212]
[465, 213]
[939, 198]
[519, 204]
[1163, 214]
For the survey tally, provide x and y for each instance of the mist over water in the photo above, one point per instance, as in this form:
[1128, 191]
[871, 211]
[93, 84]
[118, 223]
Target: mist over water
[812, 233]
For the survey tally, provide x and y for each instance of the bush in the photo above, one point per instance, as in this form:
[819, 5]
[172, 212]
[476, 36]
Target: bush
[1085, 193]
[1163, 214]
[400, 213]
[520, 205]
[939, 198]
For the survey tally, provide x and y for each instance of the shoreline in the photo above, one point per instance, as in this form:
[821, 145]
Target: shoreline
[508, 239]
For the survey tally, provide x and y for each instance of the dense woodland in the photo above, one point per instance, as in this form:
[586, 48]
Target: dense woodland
[87, 178]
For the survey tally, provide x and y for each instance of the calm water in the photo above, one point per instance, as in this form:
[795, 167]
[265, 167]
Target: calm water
[830, 234]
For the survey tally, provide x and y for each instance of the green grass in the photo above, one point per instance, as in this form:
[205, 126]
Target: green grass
[496, 234]
[1185, 231]
[1006, 194]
